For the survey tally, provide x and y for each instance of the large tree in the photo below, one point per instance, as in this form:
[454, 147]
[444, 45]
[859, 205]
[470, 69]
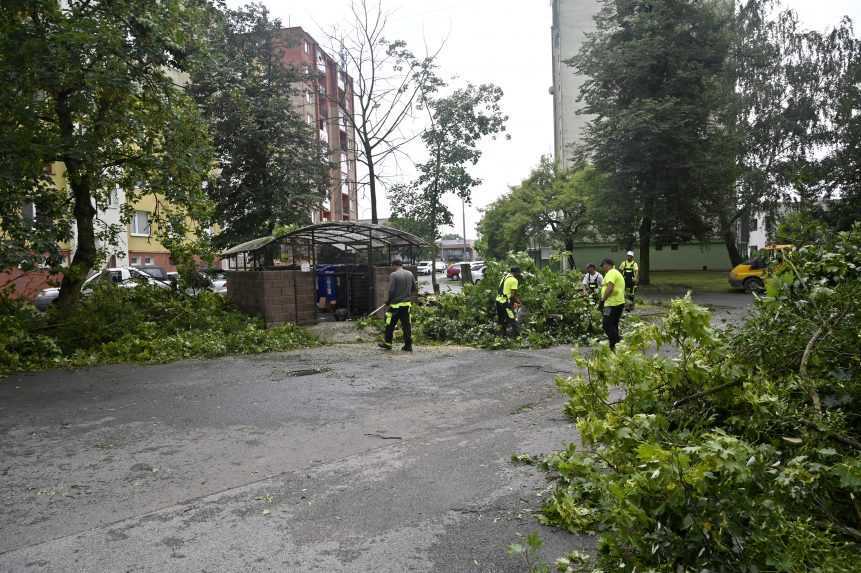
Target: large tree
[458, 123]
[271, 170]
[784, 112]
[653, 69]
[94, 85]
[389, 80]
[551, 207]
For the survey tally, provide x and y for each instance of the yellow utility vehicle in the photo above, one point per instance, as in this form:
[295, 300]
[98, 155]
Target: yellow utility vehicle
[750, 275]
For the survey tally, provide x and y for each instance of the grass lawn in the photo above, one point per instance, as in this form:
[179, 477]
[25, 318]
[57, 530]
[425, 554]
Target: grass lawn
[697, 281]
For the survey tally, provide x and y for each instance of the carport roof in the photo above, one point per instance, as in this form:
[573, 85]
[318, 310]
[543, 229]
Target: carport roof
[357, 236]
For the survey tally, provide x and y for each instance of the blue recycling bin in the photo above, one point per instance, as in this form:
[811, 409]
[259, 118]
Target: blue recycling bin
[327, 284]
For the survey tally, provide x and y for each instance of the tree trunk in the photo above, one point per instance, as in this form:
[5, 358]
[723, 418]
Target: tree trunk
[80, 184]
[730, 241]
[569, 247]
[86, 253]
[645, 244]
[372, 184]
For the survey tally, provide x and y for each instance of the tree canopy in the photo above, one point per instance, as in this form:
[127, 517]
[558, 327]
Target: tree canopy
[551, 207]
[98, 87]
[270, 168]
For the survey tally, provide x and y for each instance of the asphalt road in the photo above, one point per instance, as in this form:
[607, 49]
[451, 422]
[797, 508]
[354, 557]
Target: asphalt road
[340, 458]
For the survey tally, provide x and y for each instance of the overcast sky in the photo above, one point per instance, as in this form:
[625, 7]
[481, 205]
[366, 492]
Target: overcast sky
[506, 42]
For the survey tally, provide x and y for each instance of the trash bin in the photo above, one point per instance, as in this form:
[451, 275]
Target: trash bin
[327, 284]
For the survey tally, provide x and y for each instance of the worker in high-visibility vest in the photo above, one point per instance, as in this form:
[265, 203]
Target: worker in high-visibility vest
[612, 301]
[507, 301]
[402, 285]
[631, 272]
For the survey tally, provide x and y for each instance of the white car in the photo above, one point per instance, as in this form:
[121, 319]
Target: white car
[424, 267]
[477, 272]
[124, 277]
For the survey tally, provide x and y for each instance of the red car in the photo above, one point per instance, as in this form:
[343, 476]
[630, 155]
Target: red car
[453, 272]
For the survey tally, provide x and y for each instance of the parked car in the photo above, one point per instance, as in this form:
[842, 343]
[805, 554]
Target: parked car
[477, 272]
[124, 277]
[454, 271]
[206, 280]
[155, 272]
[424, 267]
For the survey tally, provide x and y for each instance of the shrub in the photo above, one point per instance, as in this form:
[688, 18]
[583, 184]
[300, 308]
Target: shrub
[741, 451]
[142, 324]
[557, 310]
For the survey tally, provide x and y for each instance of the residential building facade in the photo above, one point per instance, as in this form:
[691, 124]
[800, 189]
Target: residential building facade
[325, 100]
[572, 20]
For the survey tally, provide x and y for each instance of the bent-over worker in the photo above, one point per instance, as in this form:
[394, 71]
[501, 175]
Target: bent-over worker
[506, 299]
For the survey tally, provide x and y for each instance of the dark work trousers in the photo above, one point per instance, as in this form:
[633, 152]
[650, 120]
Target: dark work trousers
[507, 318]
[610, 322]
[392, 317]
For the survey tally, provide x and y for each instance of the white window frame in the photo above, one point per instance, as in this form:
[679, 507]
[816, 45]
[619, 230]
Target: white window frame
[307, 47]
[135, 231]
[135, 261]
[147, 261]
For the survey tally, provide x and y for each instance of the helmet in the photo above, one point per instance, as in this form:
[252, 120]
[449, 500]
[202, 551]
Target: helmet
[630, 253]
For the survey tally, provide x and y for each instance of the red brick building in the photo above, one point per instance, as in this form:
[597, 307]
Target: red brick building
[326, 102]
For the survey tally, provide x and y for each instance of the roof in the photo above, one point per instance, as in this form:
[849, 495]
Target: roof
[248, 246]
[345, 234]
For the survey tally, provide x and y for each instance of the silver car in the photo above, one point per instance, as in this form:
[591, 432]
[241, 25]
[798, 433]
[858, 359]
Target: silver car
[124, 277]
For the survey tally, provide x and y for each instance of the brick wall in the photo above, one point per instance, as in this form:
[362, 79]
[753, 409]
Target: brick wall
[277, 296]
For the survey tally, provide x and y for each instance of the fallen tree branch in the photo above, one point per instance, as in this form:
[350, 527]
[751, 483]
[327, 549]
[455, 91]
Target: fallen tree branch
[845, 440]
[698, 395]
[802, 370]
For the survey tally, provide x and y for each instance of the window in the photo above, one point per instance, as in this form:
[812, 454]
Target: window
[308, 119]
[308, 98]
[307, 47]
[136, 261]
[147, 260]
[114, 198]
[754, 224]
[141, 224]
[674, 247]
[659, 247]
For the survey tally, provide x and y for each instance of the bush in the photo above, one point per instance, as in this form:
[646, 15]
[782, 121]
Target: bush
[740, 453]
[142, 324]
[557, 311]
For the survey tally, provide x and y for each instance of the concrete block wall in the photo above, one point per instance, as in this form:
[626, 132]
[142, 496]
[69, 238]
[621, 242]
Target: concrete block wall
[381, 284]
[277, 296]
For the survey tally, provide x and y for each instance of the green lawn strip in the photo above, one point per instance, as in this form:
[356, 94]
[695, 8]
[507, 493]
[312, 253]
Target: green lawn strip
[697, 281]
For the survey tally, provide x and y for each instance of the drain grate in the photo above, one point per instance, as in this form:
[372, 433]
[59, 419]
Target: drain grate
[307, 371]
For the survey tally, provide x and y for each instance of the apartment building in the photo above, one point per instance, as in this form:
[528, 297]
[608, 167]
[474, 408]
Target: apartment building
[572, 20]
[325, 100]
